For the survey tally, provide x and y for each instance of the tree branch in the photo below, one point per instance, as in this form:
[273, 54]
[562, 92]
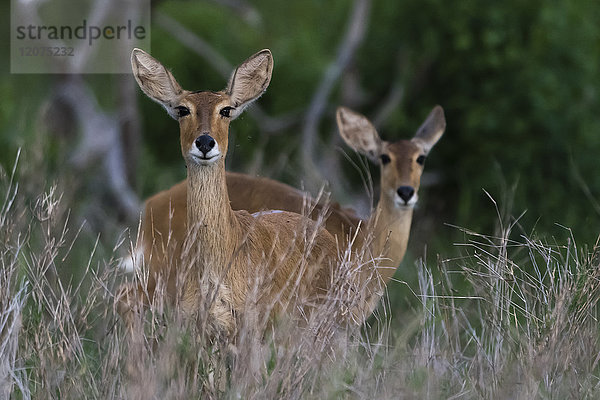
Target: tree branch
[243, 9]
[100, 141]
[393, 98]
[355, 33]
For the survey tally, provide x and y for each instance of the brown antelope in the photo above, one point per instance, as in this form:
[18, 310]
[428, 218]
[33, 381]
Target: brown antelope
[230, 249]
[401, 165]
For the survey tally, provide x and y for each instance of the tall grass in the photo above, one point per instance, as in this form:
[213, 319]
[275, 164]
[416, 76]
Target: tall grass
[509, 317]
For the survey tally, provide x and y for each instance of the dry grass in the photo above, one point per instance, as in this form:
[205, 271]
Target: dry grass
[514, 319]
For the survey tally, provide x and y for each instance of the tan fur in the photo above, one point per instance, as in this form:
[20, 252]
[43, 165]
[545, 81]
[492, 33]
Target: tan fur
[286, 254]
[164, 223]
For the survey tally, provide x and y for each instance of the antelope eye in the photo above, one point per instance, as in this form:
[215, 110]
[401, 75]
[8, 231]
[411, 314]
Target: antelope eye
[226, 111]
[421, 160]
[182, 111]
[385, 159]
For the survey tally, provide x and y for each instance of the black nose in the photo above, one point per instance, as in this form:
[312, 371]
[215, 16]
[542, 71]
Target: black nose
[205, 143]
[406, 193]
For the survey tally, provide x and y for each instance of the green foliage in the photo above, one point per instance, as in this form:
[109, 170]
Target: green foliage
[518, 82]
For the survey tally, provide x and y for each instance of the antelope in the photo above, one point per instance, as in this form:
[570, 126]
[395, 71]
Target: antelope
[401, 165]
[230, 249]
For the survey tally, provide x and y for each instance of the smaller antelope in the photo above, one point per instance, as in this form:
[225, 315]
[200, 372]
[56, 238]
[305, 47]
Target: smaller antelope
[230, 249]
[401, 165]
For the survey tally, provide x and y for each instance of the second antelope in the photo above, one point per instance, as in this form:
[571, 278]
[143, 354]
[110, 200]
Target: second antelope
[401, 164]
[231, 250]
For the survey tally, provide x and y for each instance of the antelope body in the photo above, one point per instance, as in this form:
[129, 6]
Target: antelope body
[164, 222]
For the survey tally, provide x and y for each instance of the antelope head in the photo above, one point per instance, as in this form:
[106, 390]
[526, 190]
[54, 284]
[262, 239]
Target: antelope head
[401, 161]
[203, 116]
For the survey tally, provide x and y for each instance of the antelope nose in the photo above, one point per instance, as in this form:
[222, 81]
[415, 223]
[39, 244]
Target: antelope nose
[205, 143]
[406, 193]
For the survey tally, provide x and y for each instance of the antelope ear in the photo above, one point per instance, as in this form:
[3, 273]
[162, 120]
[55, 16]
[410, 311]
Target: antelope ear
[358, 132]
[156, 81]
[432, 129]
[250, 80]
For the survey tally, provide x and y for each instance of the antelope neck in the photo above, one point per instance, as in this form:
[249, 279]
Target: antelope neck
[211, 220]
[392, 228]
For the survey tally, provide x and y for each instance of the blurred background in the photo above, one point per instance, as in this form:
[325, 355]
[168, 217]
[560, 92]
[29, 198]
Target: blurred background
[518, 82]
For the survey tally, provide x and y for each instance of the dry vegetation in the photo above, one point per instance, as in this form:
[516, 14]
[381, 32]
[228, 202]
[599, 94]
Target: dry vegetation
[507, 319]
